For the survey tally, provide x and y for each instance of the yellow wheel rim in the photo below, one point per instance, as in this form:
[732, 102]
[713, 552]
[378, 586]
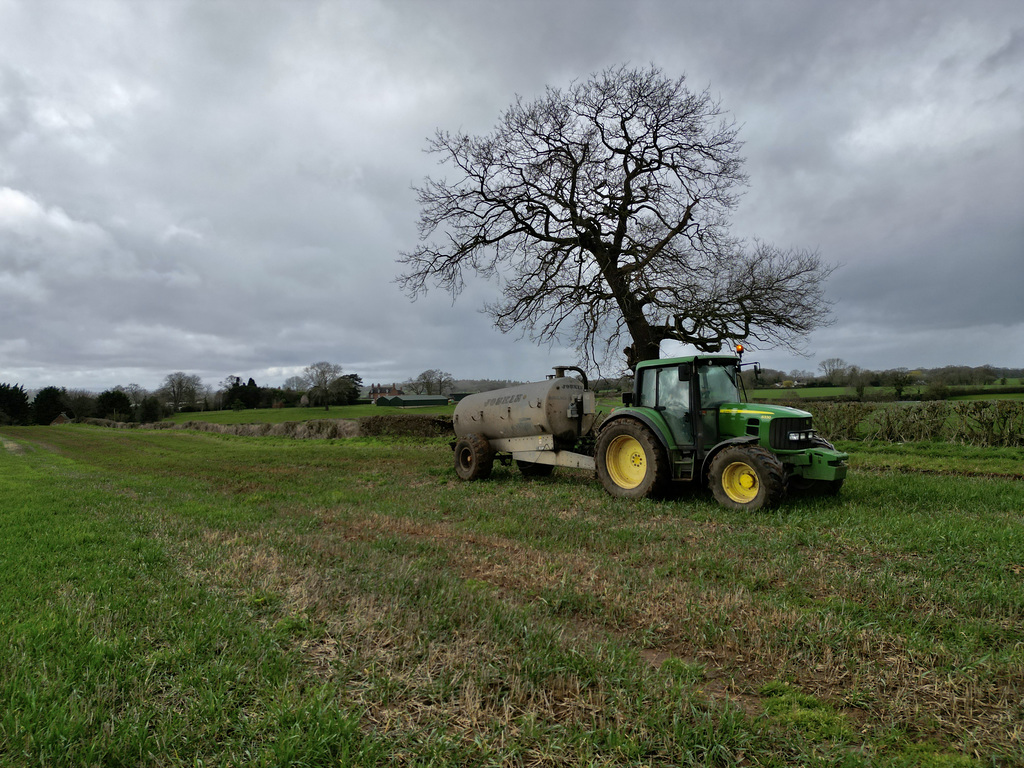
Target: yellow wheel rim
[626, 461]
[739, 481]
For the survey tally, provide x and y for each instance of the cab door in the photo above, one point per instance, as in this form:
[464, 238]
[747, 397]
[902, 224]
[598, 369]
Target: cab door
[716, 380]
[668, 393]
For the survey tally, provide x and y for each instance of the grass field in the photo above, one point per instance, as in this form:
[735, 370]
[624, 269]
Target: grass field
[874, 393]
[178, 598]
[281, 415]
[990, 396]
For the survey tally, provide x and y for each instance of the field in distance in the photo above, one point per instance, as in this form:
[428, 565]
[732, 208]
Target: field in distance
[980, 392]
[280, 415]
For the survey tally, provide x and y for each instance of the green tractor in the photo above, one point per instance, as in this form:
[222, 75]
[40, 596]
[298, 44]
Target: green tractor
[685, 421]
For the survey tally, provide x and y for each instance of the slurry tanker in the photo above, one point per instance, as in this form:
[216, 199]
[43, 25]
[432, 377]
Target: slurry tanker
[684, 422]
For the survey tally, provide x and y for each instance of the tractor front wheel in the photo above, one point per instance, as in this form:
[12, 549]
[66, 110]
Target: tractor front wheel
[747, 478]
[631, 463]
[474, 457]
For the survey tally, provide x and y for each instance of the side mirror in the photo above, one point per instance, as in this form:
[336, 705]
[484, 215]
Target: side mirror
[685, 371]
[627, 398]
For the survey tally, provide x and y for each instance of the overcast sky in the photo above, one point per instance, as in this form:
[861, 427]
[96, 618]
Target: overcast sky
[223, 186]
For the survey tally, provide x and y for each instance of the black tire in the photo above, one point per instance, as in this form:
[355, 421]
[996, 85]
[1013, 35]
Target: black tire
[533, 469]
[747, 478]
[631, 463]
[474, 457]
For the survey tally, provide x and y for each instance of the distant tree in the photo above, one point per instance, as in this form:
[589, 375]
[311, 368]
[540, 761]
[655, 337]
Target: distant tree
[986, 374]
[603, 211]
[432, 382]
[149, 410]
[346, 389]
[767, 378]
[251, 394]
[114, 404]
[136, 394]
[859, 379]
[49, 403]
[14, 405]
[321, 376]
[899, 379]
[232, 393]
[81, 403]
[181, 390]
[296, 383]
[835, 370]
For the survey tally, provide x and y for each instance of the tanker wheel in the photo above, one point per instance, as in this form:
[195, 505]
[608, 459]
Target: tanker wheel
[474, 457]
[533, 469]
[747, 478]
[631, 463]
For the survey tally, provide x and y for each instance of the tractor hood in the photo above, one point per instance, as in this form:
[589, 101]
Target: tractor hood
[761, 411]
[774, 424]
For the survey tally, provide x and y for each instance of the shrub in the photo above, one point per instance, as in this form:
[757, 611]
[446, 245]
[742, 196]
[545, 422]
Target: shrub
[974, 422]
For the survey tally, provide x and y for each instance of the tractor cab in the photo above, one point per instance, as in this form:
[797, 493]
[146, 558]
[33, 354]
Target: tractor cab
[687, 394]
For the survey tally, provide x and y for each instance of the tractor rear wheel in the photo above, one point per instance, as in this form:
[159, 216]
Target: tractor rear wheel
[533, 469]
[474, 457]
[631, 463]
[747, 478]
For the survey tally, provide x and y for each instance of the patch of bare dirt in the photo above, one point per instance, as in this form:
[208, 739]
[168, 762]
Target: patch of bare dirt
[11, 447]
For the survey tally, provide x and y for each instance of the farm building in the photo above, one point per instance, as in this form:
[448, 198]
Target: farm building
[378, 391]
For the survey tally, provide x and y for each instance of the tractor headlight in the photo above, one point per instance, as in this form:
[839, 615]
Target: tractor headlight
[802, 436]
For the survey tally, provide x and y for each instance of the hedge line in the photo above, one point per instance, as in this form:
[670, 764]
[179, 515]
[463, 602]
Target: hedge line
[392, 425]
[972, 422]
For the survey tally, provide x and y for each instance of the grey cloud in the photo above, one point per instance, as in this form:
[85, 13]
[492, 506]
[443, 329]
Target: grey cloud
[235, 184]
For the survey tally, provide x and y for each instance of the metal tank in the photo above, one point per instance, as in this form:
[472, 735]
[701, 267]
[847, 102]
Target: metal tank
[561, 406]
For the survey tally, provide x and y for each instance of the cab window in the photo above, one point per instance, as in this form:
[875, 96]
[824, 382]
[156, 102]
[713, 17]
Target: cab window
[718, 385]
[663, 389]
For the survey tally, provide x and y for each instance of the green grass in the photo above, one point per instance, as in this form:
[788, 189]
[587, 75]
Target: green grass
[180, 598]
[795, 393]
[990, 396]
[281, 415]
[874, 393]
[936, 457]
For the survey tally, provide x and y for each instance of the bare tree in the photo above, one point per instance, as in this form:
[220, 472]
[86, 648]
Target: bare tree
[181, 389]
[835, 370]
[603, 210]
[136, 394]
[432, 382]
[321, 376]
[82, 402]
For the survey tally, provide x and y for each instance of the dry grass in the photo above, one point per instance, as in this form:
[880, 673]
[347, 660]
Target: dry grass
[10, 446]
[740, 640]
